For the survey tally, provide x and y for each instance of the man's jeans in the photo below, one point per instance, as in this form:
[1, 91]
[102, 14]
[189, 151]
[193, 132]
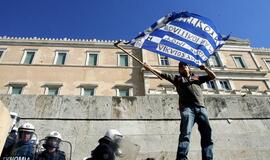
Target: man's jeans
[189, 115]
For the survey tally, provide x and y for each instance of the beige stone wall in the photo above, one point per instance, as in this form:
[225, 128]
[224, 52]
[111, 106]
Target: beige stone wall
[150, 58]
[239, 83]
[156, 84]
[227, 59]
[261, 57]
[15, 57]
[261, 61]
[106, 75]
[75, 56]
[153, 59]
[230, 63]
[70, 78]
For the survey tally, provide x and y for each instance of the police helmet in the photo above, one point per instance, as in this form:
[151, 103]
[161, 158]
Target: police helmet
[53, 140]
[27, 127]
[114, 135]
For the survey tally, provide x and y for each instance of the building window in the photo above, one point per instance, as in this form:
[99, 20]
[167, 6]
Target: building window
[213, 61]
[28, 57]
[267, 62]
[16, 88]
[211, 85]
[123, 92]
[1, 53]
[60, 58]
[92, 59]
[88, 91]
[164, 61]
[224, 84]
[52, 89]
[239, 62]
[123, 60]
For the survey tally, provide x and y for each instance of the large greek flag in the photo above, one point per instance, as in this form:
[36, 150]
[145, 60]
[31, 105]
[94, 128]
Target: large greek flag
[184, 36]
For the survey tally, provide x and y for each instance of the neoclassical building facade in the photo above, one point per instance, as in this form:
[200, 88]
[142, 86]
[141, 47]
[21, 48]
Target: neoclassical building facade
[47, 66]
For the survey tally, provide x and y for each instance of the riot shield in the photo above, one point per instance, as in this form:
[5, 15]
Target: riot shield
[64, 146]
[67, 148]
[4, 125]
[129, 150]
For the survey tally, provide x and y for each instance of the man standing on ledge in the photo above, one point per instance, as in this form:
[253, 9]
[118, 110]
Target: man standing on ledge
[191, 106]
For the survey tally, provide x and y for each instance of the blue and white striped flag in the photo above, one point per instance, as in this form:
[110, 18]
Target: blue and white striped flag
[184, 36]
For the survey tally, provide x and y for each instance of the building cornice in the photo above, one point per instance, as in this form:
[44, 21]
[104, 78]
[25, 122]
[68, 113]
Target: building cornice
[240, 75]
[174, 69]
[68, 65]
[235, 48]
[264, 51]
[225, 74]
[237, 41]
[59, 42]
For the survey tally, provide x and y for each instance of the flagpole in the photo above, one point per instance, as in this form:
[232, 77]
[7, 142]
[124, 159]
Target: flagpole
[117, 45]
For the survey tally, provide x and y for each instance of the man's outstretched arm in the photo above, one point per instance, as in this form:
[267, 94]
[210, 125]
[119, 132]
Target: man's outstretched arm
[148, 67]
[210, 73]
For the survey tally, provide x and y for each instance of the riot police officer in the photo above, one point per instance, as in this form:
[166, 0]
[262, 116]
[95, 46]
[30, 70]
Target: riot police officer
[108, 147]
[24, 147]
[12, 136]
[51, 146]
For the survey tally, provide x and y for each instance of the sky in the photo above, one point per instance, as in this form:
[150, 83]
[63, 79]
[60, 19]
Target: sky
[124, 19]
